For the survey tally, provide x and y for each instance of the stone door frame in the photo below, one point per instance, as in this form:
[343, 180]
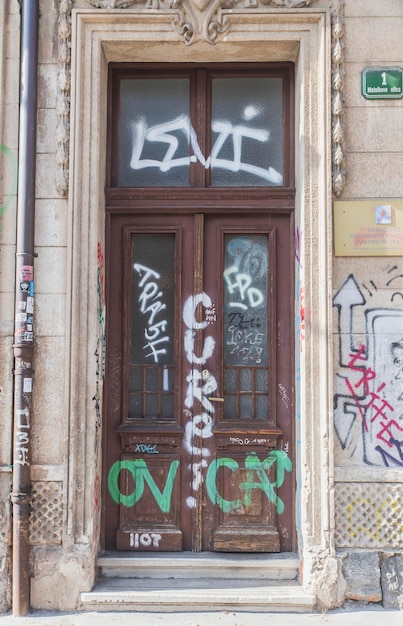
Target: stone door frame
[303, 37]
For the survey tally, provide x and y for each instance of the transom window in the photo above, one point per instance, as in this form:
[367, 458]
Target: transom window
[201, 128]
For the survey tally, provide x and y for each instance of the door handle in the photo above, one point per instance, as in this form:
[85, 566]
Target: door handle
[210, 388]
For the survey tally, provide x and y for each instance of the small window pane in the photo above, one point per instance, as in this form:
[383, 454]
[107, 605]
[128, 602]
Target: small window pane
[136, 380]
[230, 411]
[152, 379]
[262, 407]
[152, 405]
[246, 406]
[136, 409]
[247, 132]
[167, 379]
[167, 405]
[154, 133]
[230, 379]
[261, 380]
[246, 379]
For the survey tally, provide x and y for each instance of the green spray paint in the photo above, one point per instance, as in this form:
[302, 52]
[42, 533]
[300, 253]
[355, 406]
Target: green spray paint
[256, 478]
[225, 505]
[141, 474]
[3, 207]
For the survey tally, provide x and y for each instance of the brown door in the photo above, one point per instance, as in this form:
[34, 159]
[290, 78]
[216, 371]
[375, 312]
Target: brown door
[198, 439]
[199, 403]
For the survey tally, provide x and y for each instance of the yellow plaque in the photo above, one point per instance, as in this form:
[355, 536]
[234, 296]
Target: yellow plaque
[368, 227]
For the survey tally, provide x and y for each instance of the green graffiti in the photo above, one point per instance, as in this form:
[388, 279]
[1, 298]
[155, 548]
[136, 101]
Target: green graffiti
[13, 191]
[256, 478]
[141, 474]
[225, 505]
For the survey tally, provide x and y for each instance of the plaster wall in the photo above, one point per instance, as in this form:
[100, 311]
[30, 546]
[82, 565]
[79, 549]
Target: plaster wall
[368, 326]
[56, 563]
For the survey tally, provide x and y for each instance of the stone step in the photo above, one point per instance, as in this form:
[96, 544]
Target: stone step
[201, 565]
[207, 594]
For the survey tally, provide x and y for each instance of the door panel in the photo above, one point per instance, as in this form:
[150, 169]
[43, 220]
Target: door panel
[144, 455]
[241, 479]
[198, 447]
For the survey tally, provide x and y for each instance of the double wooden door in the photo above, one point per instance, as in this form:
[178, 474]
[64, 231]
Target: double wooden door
[198, 437]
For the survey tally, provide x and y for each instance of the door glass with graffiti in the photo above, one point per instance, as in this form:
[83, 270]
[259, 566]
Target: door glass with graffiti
[152, 333]
[246, 132]
[246, 323]
[199, 438]
[154, 143]
[161, 141]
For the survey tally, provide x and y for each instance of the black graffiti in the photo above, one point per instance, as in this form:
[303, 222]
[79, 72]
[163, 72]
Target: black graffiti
[386, 456]
[242, 322]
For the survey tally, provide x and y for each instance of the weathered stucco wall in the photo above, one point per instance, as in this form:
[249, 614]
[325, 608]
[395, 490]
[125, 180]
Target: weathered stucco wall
[367, 331]
[55, 563]
[368, 327]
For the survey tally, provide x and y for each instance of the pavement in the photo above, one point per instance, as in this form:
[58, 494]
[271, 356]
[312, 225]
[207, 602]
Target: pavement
[354, 614]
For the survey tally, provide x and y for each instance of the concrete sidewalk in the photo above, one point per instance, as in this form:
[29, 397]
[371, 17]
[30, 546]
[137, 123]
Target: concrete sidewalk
[354, 614]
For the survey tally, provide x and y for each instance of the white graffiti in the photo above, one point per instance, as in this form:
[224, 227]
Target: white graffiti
[200, 386]
[145, 540]
[246, 344]
[283, 395]
[241, 286]
[227, 132]
[150, 304]
[22, 437]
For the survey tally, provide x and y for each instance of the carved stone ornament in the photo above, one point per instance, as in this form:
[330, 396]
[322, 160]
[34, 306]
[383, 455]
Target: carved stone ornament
[199, 19]
[194, 20]
[338, 88]
[200, 5]
[63, 96]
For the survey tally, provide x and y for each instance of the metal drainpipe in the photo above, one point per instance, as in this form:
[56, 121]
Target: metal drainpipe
[24, 299]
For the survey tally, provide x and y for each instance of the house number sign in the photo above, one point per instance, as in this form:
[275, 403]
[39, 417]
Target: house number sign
[382, 83]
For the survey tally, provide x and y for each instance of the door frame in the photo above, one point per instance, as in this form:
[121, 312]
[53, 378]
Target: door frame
[199, 199]
[304, 37]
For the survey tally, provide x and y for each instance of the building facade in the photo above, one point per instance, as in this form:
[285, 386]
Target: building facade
[203, 350]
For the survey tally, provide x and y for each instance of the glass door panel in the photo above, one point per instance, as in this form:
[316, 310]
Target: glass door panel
[154, 132]
[246, 320]
[201, 127]
[152, 337]
[247, 132]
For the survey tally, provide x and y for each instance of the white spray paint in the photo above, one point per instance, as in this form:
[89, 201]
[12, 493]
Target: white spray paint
[241, 286]
[200, 387]
[22, 437]
[227, 132]
[145, 540]
[151, 305]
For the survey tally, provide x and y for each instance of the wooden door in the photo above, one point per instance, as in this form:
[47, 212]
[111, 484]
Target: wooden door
[199, 408]
[198, 436]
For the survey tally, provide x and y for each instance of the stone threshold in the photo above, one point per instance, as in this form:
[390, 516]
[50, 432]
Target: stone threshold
[204, 582]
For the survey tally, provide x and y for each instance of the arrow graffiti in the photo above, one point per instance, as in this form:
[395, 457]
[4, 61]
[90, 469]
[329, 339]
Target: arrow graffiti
[368, 404]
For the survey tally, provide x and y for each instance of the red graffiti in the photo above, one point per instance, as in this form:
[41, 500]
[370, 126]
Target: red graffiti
[367, 399]
[101, 289]
[301, 318]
